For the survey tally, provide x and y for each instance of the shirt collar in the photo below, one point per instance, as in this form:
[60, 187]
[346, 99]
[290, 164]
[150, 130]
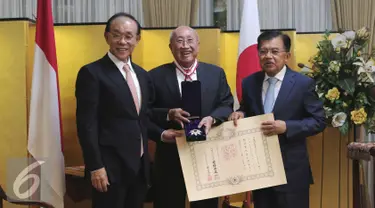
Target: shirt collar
[279, 76]
[120, 64]
[183, 68]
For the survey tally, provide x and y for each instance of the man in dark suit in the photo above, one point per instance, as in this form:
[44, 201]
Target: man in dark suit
[113, 95]
[216, 106]
[298, 114]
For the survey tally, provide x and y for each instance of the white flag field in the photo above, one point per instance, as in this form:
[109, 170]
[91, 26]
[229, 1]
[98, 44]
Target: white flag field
[248, 61]
[44, 135]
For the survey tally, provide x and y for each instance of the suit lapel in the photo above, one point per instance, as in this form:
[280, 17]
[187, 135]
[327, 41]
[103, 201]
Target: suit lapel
[172, 82]
[258, 87]
[111, 70]
[285, 90]
[204, 79]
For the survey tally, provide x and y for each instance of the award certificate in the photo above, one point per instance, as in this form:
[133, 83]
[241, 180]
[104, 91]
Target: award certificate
[232, 160]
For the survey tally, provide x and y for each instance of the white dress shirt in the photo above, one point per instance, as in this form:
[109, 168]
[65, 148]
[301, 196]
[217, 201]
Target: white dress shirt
[120, 66]
[280, 77]
[181, 76]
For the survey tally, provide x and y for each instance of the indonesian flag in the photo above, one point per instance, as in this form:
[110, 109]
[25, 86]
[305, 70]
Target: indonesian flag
[44, 136]
[248, 61]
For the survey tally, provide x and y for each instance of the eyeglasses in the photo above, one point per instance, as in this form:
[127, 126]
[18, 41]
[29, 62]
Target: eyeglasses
[188, 41]
[118, 37]
[274, 52]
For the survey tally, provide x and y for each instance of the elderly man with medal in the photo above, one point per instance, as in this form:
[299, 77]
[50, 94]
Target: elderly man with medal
[189, 95]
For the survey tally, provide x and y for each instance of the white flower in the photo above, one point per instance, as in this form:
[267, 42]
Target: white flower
[350, 35]
[360, 61]
[370, 66]
[365, 77]
[365, 66]
[327, 111]
[339, 42]
[334, 66]
[339, 119]
[365, 70]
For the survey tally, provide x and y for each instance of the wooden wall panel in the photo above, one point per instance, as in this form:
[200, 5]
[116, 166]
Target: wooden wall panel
[330, 168]
[344, 173]
[315, 148]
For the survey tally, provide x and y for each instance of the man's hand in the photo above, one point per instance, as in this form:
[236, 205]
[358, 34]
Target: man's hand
[169, 135]
[235, 116]
[179, 115]
[99, 179]
[207, 123]
[270, 128]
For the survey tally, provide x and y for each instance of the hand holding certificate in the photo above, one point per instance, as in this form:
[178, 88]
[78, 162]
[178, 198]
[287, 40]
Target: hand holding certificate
[232, 160]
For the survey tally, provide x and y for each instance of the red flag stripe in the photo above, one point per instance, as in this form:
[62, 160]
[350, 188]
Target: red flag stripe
[45, 37]
[247, 64]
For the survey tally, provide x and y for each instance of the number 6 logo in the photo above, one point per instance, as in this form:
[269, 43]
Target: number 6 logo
[23, 177]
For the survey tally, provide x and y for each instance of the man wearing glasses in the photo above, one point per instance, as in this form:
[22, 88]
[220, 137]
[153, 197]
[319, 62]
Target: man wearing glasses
[216, 106]
[298, 113]
[113, 94]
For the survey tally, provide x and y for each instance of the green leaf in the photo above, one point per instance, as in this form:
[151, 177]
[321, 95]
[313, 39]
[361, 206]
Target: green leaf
[365, 100]
[344, 128]
[348, 85]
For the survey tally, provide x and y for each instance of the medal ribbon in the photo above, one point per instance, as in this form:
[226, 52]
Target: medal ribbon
[187, 72]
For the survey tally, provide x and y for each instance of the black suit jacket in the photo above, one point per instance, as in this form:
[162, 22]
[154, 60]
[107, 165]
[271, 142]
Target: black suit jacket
[109, 127]
[217, 100]
[299, 106]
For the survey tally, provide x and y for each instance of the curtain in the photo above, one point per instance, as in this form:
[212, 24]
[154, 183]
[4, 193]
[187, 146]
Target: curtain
[352, 15]
[303, 15]
[234, 14]
[170, 13]
[18, 8]
[205, 13]
[73, 11]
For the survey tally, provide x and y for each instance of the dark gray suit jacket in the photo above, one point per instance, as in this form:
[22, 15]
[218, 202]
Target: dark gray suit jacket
[217, 100]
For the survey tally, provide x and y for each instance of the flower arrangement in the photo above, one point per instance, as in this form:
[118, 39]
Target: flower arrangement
[344, 77]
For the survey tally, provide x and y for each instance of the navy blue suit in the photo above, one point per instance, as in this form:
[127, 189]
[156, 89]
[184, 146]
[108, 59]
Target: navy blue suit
[299, 106]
